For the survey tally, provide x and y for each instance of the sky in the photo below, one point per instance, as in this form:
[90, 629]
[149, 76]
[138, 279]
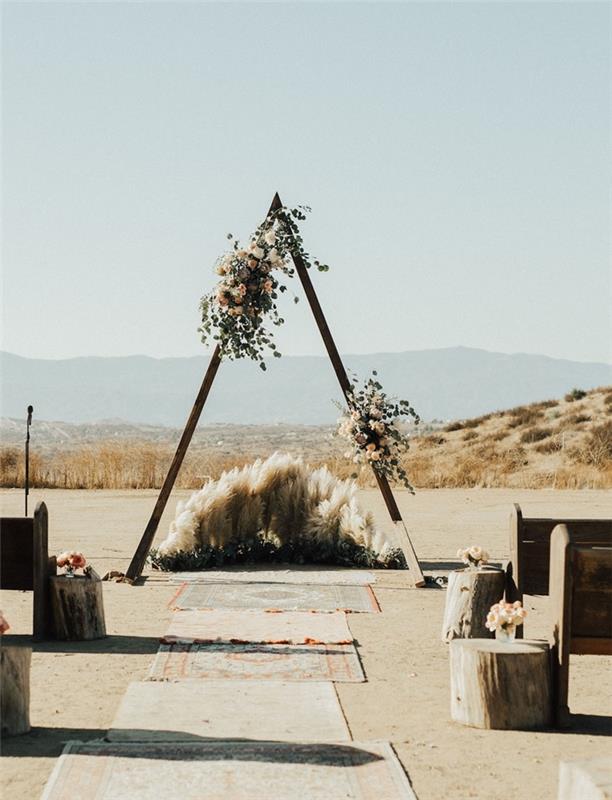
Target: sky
[455, 156]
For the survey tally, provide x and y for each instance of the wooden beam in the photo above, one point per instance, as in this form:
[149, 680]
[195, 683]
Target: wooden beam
[140, 556]
[345, 385]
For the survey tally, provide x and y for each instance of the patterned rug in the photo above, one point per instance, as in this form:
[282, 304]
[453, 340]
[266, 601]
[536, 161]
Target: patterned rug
[297, 574]
[254, 627]
[159, 711]
[275, 597]
[281, 662]
[228, 771]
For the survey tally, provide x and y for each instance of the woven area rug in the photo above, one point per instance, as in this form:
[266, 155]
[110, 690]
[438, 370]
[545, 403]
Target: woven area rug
[254, 627]
[297, 574]
[282, 662]
[159, 711]
[275, 597]
[228, 771]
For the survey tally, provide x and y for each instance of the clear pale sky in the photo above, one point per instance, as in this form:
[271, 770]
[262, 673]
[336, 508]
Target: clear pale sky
[456, 156]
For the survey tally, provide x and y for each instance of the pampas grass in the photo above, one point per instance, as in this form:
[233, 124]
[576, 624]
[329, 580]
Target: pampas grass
[273, 510]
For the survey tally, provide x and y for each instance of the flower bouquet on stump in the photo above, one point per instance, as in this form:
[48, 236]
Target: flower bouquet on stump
[504, 618]
[471, 593]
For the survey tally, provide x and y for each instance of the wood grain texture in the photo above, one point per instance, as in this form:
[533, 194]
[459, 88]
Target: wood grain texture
[500, 686]
[530, 547]
[581, 612]
[589, 779]
[15, 663]
[78, 608]
[469, 596]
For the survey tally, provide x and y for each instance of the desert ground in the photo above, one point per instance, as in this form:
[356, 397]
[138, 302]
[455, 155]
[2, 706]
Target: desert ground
[76, 687]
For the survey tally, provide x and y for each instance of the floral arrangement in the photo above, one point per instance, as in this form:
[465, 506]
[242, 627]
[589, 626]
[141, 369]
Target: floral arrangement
[473, 556]
[250, 283]
[504, 618]
[71, 561]
[4, 626]
[372, 425]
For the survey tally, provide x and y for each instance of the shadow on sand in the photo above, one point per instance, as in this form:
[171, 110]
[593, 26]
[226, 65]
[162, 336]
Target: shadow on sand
[49, 743]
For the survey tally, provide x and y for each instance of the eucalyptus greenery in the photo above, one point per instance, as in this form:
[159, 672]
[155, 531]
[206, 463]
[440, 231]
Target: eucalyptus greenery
[250, 284]
[264, 549]
[372, 425]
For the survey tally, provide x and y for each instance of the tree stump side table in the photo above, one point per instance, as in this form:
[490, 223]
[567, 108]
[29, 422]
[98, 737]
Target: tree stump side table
[78, 607]
[15, 663]
[586, 780]
[499, 685]
[469, 596]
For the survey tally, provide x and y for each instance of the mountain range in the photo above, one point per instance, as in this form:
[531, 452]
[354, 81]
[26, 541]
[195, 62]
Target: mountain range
[448, 383]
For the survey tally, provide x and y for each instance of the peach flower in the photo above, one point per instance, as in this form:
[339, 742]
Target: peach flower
[4, 626]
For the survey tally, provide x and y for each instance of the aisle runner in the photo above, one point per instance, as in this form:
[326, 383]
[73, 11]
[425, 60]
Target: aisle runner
[314, 662]
[275, 597]
[295, 575]
[229, 770]
[254, 627]
[191, 737]
[269, 710]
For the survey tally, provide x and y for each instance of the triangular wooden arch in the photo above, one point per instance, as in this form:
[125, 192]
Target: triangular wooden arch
[140, 556]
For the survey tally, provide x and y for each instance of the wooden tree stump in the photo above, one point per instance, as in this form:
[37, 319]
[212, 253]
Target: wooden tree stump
[586, 780]
[469, 596]
[78, 607]
[500, 685]
[14, 689]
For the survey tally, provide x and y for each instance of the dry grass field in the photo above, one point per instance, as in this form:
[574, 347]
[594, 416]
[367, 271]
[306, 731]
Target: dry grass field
[554, 444]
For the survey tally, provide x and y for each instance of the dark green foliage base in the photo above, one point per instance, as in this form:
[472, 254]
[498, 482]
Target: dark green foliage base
[262, 550]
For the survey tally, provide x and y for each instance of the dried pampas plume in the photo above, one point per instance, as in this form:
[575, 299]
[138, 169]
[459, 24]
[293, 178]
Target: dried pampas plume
[285, 507]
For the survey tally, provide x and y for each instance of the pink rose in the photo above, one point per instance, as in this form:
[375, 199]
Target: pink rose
[77, 560]
[63, 559]
[4, 626]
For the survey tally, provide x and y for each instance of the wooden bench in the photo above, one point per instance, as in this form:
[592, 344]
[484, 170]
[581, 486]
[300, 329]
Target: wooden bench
[528, 570]
[25, 564]
[580, 607]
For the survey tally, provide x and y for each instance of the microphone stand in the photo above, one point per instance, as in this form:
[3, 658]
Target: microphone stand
[27, 458]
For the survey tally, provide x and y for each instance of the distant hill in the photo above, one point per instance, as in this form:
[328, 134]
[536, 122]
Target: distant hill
[552, 444]
[562, 444]
[448, 383]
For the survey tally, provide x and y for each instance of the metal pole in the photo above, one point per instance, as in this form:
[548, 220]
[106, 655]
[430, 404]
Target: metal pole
[27, 458]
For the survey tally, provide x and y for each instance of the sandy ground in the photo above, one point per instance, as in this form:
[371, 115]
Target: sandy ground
[76, 687]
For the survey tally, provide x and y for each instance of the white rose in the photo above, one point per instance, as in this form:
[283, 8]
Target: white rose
[274, 257]
[270, 237]
[256, 250]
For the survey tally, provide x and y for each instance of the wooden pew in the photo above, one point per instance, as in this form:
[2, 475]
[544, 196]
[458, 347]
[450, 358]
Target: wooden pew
[580, 607]
[25, 564]
[528, 570]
